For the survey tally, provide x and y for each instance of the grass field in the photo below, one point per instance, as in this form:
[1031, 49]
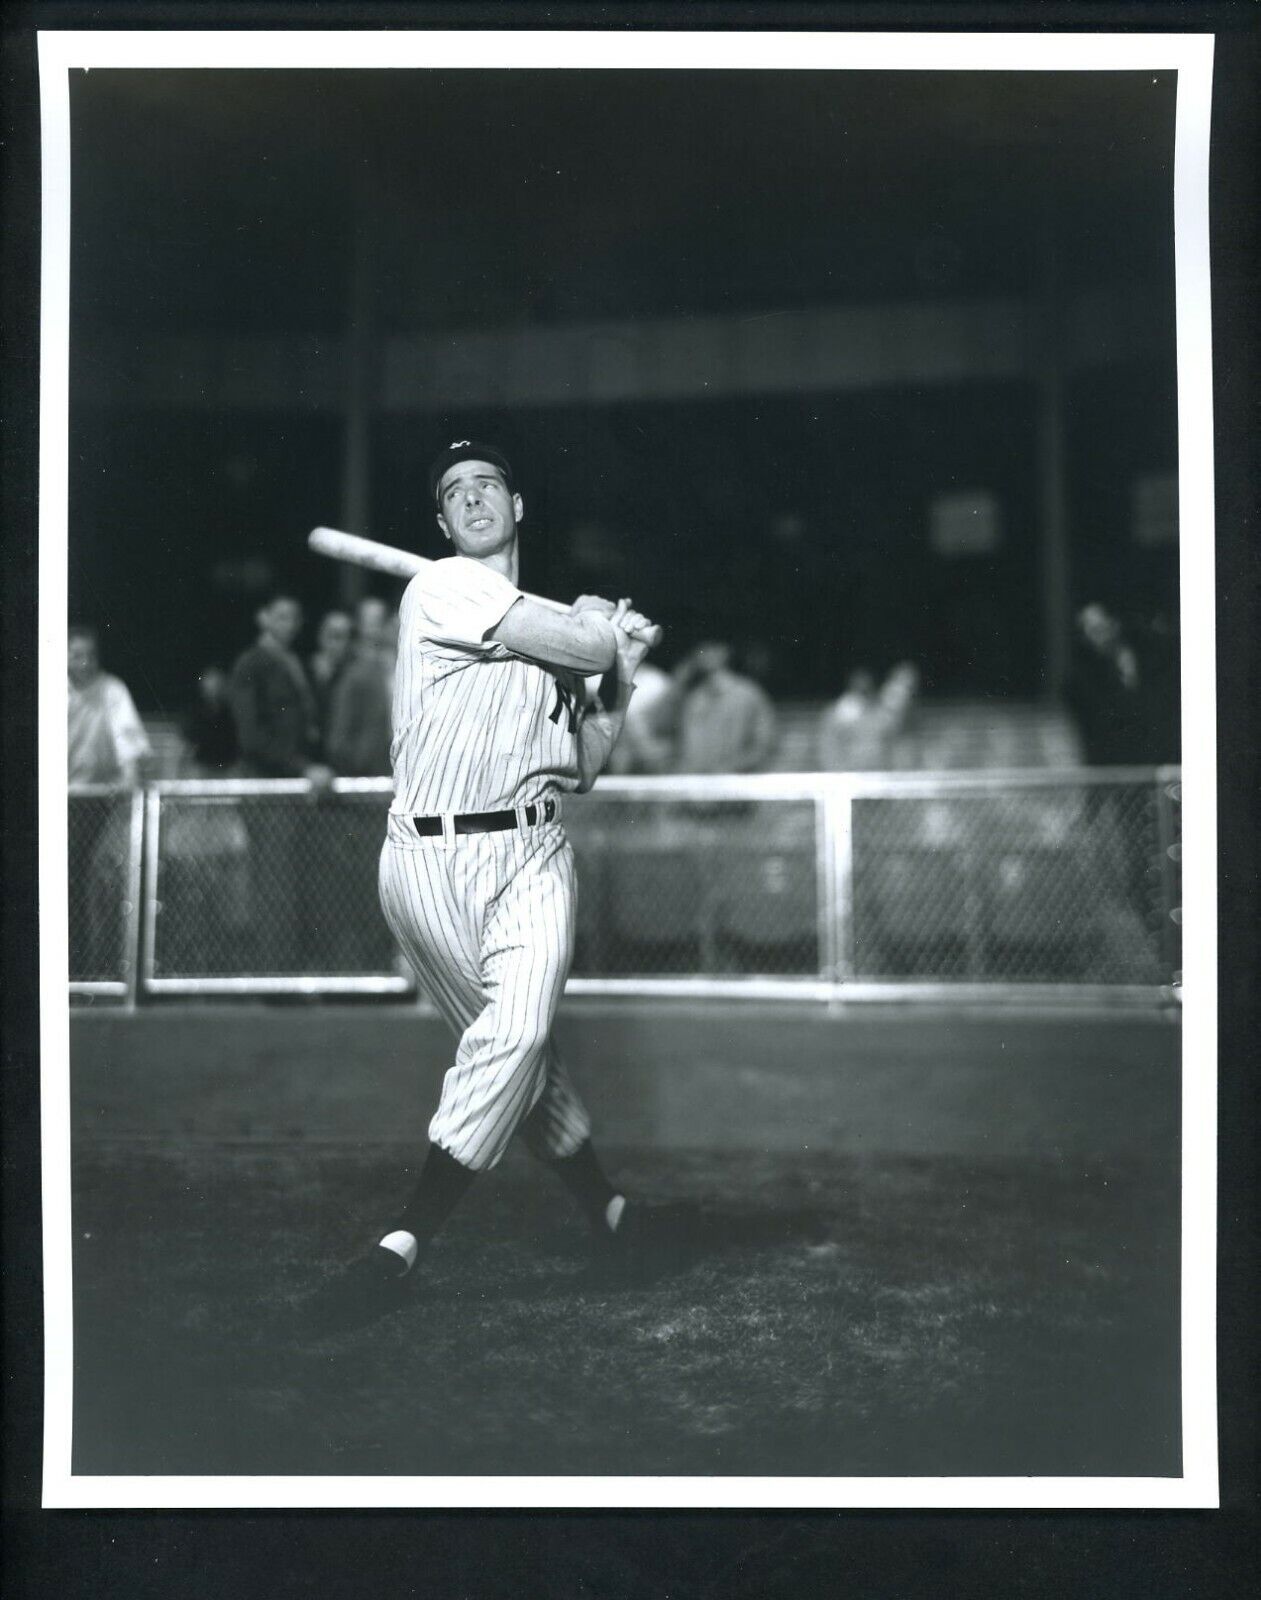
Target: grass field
[822, 1314]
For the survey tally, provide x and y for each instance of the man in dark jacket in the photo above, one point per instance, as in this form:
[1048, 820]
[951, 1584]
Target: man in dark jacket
[357, 743]
[278, 737]
[272, 701]
[326, 666]
[209, 726]
[1123, 696]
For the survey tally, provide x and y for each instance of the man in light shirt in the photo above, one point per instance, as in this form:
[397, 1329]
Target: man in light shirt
[854, 730]
[106, 744]
[646, 745]
[106, 738]
[726, 721]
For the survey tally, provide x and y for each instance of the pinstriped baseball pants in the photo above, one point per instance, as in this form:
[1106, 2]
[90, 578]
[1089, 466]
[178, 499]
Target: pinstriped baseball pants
[487, 922]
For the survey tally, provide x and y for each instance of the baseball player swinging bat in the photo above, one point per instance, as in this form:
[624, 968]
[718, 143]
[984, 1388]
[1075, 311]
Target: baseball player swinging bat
[377, 557]
[491, 732]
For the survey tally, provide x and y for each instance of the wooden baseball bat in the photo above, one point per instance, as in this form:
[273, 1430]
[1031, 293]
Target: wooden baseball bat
[387, 558]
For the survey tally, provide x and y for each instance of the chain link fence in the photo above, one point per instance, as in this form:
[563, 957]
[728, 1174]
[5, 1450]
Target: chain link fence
[1058, 885]
[685, 887]
[267, 886]
[821, 884]
[102, 888]
[1169, 802]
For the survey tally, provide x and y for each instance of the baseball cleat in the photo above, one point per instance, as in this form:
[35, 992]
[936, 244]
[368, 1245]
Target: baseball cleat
[359, 1295]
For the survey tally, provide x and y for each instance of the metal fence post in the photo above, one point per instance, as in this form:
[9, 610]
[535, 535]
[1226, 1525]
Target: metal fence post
[825, 884]
[148, 928]
[135, 878]
[835, 858]
[102, 893]
[810, 850]
[974, 860]
[1167, 793]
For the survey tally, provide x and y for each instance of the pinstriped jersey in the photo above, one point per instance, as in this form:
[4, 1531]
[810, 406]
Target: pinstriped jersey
[475, 727]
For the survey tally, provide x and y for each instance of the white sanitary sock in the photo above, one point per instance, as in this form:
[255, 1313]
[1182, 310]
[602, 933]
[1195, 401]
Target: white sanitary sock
[404, 1245]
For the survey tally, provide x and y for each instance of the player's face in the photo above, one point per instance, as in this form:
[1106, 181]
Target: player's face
[477, 511]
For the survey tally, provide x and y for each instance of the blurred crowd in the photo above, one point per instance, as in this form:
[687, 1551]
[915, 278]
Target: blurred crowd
[280, 713]
[277, 713]
[708, 717]
[273, 714]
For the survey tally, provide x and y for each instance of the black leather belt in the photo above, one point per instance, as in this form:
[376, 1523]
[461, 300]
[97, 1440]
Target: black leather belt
[486, 821]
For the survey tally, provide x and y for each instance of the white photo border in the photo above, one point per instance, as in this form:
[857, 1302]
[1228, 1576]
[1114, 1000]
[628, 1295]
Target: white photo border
[1191, 57]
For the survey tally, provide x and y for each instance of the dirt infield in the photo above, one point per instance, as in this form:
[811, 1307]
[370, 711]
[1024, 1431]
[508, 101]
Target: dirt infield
[826, 1311]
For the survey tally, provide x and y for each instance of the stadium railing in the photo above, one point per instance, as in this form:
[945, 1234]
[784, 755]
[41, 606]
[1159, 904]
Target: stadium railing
[262, 887]
[105, 831]
[1035, 885]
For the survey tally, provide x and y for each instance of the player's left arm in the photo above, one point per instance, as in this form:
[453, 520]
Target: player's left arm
[603, 721]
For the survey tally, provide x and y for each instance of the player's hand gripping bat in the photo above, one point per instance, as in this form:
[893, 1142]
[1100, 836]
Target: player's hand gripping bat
[397, 563]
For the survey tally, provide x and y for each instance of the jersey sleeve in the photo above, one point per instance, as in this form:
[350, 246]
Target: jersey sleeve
[458, 601]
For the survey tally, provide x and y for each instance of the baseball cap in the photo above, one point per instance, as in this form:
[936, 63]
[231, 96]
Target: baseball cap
[467, 450]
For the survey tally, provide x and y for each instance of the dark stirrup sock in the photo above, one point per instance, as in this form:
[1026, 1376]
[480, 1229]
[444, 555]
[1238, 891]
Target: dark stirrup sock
[583, 1176]
[442, 1184]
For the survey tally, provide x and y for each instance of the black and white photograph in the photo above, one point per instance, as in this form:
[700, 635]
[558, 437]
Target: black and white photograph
[628, 900]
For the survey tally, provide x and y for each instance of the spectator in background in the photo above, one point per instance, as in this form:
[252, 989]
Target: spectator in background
[358, 746]
[326, 665]
[1108, 692]
[106, 738]
[372, 617]
[646, 744]
[854, 731]
[726, 722]
[1116, 696]
[898, 696]
[106, 744]
[276, 730]
[357, 737]
[272, 701]
[209, 729]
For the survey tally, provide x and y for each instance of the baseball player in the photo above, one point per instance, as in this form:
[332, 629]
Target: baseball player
[491, 731]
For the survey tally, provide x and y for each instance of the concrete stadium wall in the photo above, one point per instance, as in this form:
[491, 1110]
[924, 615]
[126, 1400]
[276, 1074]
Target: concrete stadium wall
[734, 1077]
